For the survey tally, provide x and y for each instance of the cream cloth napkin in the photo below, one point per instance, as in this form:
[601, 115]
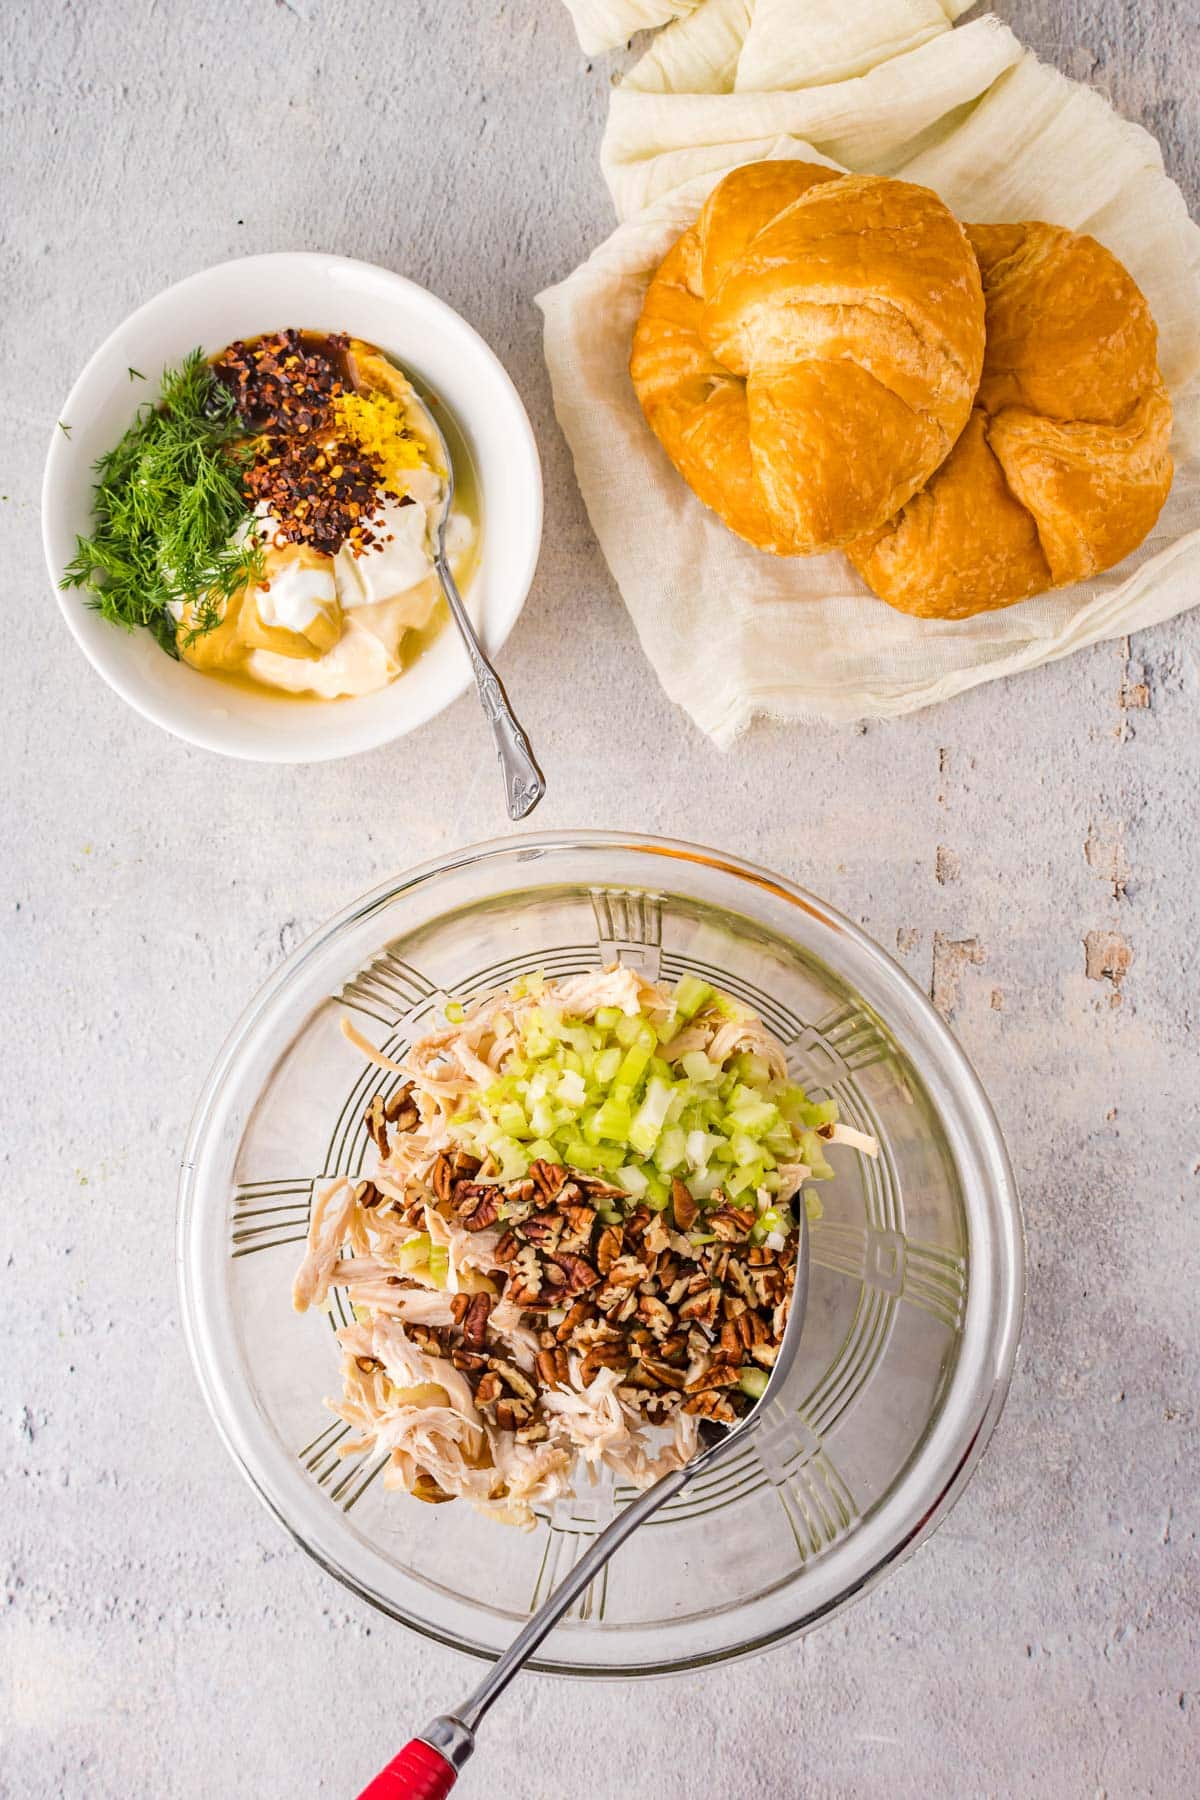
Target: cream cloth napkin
[891, 87]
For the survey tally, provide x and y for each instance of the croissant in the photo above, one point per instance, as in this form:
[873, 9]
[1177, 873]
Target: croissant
[1064, 465]
[809, 350]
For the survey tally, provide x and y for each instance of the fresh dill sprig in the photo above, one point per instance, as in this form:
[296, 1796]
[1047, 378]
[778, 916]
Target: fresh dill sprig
[167, 502]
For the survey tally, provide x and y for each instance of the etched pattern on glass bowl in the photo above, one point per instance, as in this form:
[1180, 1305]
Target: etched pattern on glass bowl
[916, 1282]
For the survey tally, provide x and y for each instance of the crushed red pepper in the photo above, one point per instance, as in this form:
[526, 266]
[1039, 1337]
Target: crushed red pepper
[320, 487]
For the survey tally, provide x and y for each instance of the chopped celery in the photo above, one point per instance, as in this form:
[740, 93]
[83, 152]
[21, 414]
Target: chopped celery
[609, 1017]
[814, 1206]
[753, 1381]
[633, 1066]
[604, 1069]
[635, 1181]
[455, 1012]
[754, 1118]
[697, 1067]
[511, 1119]
[650, 1116]
[542, 1150]
[671, 1150]
[439, 1264]
[413, 1253]
[571, 1090]
[741, 1179]
[690, 996]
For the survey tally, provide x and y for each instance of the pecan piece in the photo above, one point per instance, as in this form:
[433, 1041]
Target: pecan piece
[532, 1433]
[553, 1369]
[474, 1325]
[512, 1377]
[711, 1405]
[580, 1313]
[511, 1413]
[655, 1316]
[608, 1247]
[701, 1309]
[478, 1206]
[663, 1373]
[577, 1227]
[468, 1361]
[441, 1176]
[579, 1274]
[508, 1246]
[400, 1109]
[459, 1306]
[547, 1177]
[683, 1205]
[730, 1223]
[376, 1126]
[720, 1375]
[367, 1194]
[489, 1390]
[602, 1356]
[425, 1488]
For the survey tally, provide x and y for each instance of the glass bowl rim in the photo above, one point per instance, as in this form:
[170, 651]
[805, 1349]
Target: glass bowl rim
[1003, 1195]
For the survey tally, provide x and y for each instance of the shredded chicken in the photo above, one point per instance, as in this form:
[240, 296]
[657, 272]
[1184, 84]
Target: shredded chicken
[455, 1369]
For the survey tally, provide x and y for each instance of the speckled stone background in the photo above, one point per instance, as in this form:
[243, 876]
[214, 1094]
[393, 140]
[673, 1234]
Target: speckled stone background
[1029, 852]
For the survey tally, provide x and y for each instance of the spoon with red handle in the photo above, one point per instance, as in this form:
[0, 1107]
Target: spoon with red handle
[428, 1766]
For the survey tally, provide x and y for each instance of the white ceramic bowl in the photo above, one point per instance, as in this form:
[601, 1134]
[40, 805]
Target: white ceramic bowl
[447, 357]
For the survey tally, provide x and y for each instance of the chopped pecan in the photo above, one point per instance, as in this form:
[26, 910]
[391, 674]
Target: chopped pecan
[547, 1177]
[730, 1223]
[656, 1317]
[459, 1304]
[627, 1271]
[521, 1386]
[579, 1274]
[400, 1109]
[441, 1176]
[508, 1246]
[469, 1361]
[465, 1164]
[477, 1205]
[553, 1369]
[376, 1126]
[511, 1413]
[525, 1282]
[533, 1433]
[489, 1390]
[545, 1229]
[765, 1354]
[602, 1356]
[711, 1405]
[578, 1222]
[474, 1325]
[720, 1375]
[740, 1278]
[368, 1364]
[701, 1308]
[608, 1247]
[367, 1194]
[654, 1238]
[425, 1488]
[580, 1313]
[663, 1373]
[683, 1205]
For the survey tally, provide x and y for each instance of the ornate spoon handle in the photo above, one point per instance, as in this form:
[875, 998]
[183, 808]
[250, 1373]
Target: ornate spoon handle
[524, 783]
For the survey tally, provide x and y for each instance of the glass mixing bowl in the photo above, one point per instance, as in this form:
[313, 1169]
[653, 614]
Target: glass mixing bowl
[916, 1284]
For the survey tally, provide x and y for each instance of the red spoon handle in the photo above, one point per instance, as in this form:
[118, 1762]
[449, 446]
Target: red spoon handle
[418, 1773]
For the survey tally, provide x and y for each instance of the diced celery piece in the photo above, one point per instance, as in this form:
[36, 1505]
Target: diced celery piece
[604, 1069]
[455, 1012]
[746, 1152]
[633, 1066]
[578, 1155]
[812, 1152]
[690, 995]
[814, 1206]
[754, 1119]
[667, 1026]
[609, 1157]
[747, 1177]
[413, 1253]
[511, 1119]
[542, 1150]
[697, 1067]
[612, 1120]
[572, 1062]
[698, 1147]
[570, 1089]
[704, 1183]
[723, 1152]
[631, 1028]
[439, 1264]
[650, 1117]
[753, 1381]
[634, 1180]
[818, 1112]
[544, 1118]
[609, 1017]
[671, 1150]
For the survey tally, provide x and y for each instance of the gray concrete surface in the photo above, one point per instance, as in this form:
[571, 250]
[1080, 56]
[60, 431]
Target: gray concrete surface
[1030, 851]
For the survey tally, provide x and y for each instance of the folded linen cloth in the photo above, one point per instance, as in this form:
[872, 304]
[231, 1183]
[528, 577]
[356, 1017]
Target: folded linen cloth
[889, 87]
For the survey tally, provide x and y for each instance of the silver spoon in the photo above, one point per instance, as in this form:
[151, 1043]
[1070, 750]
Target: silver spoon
[429, 1765]
[524, 783]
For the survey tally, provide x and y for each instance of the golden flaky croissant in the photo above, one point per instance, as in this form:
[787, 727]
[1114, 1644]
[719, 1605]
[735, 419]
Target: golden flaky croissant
[809, 350]
[1064, 464]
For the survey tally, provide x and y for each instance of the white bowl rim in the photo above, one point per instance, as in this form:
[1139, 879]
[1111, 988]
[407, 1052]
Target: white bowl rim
[1007, 1271]
[71, 606]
